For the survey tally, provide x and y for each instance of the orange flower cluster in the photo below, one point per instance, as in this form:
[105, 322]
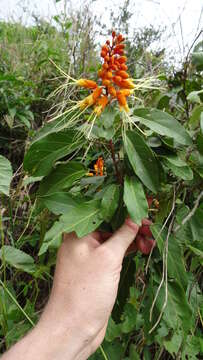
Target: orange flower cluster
[98, 168]
[114, 71]
[116, 83]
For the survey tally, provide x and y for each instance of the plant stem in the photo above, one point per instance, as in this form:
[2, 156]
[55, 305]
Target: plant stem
[16, 302]
[103, 353]
[111, 145]
[2, 244]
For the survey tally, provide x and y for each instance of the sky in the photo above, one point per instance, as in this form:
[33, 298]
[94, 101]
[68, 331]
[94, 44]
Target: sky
[183, 19]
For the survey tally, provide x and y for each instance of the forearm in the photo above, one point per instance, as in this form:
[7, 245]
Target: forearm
[46, 343]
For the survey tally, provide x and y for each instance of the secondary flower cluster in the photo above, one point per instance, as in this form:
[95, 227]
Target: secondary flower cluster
[98, 168]
[116, 83]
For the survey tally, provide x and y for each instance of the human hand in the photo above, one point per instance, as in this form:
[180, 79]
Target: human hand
[144, 241]
[86, 279]
[85, 288]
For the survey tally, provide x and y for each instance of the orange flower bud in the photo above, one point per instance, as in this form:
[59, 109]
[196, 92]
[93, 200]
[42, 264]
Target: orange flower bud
[127, 84]
[123, 74]
[122, 59]
[121, 98]
[120, 47]
[113, 34]
[112, 91]
[112, 59]
[89, 84]
[123, 67]
[99, 167]
[126, 92]
[105, 48]
[122, 101]
[119, 51]
[106, 82]
[107, 42]
[120, 38]
[87, 101]
[106, 58]
[105, 66]
[96, 93]
[117, 80]
[103, 54]
[109, 75]
[114, 67]
[100, 73]
[101, 104]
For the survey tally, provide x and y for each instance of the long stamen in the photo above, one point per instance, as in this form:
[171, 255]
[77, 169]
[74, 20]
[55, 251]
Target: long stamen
[62, 71]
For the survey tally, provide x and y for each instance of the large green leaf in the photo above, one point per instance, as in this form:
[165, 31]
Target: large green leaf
[43, 153]
[176, 268]
[184, 172]
[178, 311]
[62, 177]
[5, 175]
[163, 123]
[59, 202]
[142, 160]
[135, 200]
[17, 258]
[84, 218]
[181, 305]
[110, 201]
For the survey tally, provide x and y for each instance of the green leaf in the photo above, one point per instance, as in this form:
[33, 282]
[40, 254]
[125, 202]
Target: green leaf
[17, 258]
[60, 202]
[62, 177]
[43, 153]
[195, 116]
[184, 172]
[107, 117]
[130, 317]
[181, 305]
[163, 123]
[176, 268]
[200, 143]
[197, 60]
[24, 120]
[172, 345]
[197, 252]
[142, 160]
[12, 112]
[135, 200]
[178, 310]
[110, 201]
[5, 175]
[84, 218]
[194, 97]
[175, 160]
[113, 330]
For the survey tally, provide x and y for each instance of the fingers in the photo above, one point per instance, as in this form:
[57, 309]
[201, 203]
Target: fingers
[122, 238]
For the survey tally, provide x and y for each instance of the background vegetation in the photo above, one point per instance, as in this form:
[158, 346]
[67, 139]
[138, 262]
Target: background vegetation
[27, 77]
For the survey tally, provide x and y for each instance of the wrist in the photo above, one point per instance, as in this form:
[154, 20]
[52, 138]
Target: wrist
[50, 342]
[59, 341]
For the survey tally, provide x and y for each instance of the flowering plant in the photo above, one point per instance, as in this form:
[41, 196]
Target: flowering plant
[95, 155]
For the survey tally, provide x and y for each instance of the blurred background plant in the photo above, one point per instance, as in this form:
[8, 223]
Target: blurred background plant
[27, 78]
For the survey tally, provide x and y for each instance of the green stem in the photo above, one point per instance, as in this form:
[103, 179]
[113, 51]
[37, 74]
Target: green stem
[17, 304]
[2, 244]
[103, 353]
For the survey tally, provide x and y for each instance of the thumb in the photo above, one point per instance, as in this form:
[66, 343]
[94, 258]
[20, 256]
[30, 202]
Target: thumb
[122, 238]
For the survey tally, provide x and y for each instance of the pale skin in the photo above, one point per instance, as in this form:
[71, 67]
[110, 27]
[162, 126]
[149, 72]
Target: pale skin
[85, 286]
